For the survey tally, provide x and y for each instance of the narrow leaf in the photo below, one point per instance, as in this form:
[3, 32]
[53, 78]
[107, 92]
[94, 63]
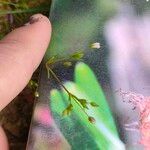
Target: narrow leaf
[94, 104]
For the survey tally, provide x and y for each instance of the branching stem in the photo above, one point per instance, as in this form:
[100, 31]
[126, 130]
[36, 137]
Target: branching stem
[71, 96]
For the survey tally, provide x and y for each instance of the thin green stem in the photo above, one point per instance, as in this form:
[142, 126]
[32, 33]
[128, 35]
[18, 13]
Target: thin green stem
[80, 106]
[56, 61]
[70, 94]
[49, 70]
[58, 80]
[7, 3]
[30, 10]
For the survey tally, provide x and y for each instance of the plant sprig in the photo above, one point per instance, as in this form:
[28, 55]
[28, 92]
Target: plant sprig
[33, 85]
[82, 103]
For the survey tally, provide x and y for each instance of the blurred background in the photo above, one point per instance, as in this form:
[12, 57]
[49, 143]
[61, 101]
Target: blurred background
[123, 29]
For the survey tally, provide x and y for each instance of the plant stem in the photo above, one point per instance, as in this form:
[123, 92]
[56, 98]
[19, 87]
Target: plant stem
[69, 94]
[8, 3]
[58, 80]
[80, 106]
[30, 10]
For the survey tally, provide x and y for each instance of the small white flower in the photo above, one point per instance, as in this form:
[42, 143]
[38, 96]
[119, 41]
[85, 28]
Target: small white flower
[96, 45]
[36, 94]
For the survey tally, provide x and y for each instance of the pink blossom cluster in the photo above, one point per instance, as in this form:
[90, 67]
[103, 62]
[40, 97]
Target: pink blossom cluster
[142, 104]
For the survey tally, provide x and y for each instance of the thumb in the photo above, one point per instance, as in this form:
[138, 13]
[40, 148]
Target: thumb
[21, 51]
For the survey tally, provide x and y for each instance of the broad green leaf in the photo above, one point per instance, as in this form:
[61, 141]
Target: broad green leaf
[104, 137]
[83, 119]
[57, 105]
[103, 132]
[56, 102]
[65, 124]
[70, 126]
[86, 80]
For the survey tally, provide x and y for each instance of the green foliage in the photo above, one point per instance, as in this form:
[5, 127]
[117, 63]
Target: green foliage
[14, 13]
[33, 85]
[77, 55]
[83, 103]
[86, 80]
[104, 130]
[67, 110]
[67, 64]
[94, 104]
[23, 6]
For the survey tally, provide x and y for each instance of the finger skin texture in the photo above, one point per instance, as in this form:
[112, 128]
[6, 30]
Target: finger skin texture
[3, 140]
[21, 52]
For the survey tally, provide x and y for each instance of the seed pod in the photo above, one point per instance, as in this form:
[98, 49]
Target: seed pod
[94, 104]
[67, 64]
[91, 119]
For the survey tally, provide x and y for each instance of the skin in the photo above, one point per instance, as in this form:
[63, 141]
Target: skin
[21, 52]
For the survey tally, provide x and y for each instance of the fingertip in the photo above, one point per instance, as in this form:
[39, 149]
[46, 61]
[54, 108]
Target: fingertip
[21, 52]
[39, 19]
[33, 38]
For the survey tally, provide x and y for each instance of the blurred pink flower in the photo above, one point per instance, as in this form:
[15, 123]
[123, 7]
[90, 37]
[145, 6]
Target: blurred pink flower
[43, 115]
[143, 105]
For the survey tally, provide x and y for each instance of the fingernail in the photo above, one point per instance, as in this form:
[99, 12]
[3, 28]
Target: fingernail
[35, 18]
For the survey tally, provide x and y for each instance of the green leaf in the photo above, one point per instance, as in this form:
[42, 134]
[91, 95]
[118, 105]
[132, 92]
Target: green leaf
[51, 60]
[56, 102]
[83, 102]
[94, 104]
[32, 84]
[65, 112]
[30, 10]
[82, 117]
[101, 131]
[77, 55]
[57, 105]
[68, 110]
[103, 135]
[86, 80]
